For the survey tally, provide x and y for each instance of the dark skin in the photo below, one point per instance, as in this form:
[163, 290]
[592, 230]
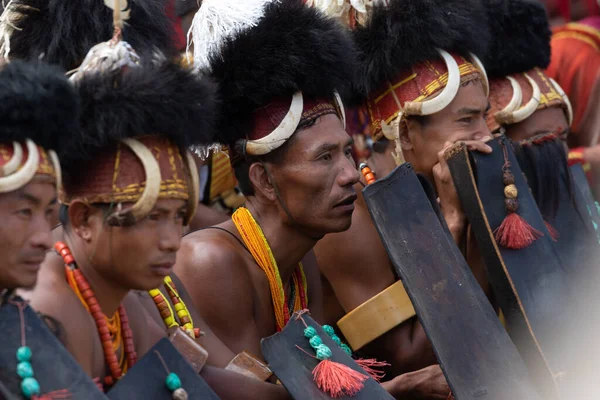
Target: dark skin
[540, 122]
[114, 260]
[355, 262]
[214, 266]
[25, 236]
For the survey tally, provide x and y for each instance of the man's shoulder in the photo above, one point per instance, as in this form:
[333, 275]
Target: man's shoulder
[212, 252]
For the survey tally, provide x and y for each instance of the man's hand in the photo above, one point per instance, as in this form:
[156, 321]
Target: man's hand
[426, 384]
[447, 195]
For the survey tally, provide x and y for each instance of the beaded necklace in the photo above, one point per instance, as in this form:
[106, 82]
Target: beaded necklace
[255, 240]
[166, 312]
[115, 332]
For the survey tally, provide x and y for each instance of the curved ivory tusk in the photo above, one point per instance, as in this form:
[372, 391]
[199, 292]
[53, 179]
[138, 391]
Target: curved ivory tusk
[13, 164]
[57, 170]
[528, 109]
[479, 65]
[505, 115]
[565, 99]
[194, 185]
[22, 177]
[283, 132]
[392, 131]
[340, 104]
[149, 196]
[441, 101]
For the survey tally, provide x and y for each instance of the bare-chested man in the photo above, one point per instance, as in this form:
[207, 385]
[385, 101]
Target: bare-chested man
[401, 65]
[38, 110]
[129, 189]
[284, 128]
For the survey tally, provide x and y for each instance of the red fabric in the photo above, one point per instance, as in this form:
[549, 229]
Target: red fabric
[575, 64]
[180, 40]
[267, 118]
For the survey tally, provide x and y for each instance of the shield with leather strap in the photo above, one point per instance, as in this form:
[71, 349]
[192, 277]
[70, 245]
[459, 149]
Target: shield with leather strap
[54, 368]
[531, 284]
[292, 360]
[148, 377]
[484, 363]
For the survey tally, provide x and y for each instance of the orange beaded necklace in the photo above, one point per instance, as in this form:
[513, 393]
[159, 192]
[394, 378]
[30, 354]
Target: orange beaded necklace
[114, 332]
[256, 242]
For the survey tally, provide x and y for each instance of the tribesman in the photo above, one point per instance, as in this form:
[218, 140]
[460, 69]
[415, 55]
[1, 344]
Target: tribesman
[281, 82]
[129, 187]
[525, 104]
[39, 111]
[425, 90]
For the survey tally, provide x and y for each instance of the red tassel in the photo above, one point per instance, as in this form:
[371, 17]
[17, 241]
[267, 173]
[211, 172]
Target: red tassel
[553, 232]
[516, 233]
[338, 380]
[62, 394]
[370, 365]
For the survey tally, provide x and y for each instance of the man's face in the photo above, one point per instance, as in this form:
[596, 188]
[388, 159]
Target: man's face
[315, 178]
[139, 256]
[25, 233]
[463, 119]
[540, 122]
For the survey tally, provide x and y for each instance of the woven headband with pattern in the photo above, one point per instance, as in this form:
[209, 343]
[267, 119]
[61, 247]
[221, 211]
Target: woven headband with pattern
[516, 97]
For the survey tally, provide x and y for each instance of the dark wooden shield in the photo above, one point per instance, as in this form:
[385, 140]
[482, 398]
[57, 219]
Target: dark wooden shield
[146, 380]
[532, 285]
[291, 358]
[475, 352]
[53, 366]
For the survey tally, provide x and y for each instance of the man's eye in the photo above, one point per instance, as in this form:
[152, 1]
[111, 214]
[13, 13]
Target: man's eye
[26, 212]
[153, 217]
[325, 157]
[466, 120]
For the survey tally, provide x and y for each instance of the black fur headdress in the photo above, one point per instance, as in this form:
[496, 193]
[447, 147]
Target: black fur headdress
[37, 102]
[163, 99]
[520, 37]
[407, 32]
[63, 31]
[292, 48]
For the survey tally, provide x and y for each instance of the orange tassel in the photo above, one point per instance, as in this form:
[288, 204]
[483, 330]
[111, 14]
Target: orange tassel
[553, 232]
[370, 365]
[516, 233]
[338, 380]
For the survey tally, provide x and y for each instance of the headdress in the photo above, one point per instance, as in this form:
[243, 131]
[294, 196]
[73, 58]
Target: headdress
[136, 125]
[278, 65]
[519, 87]
[62, 32]
[414, 55]
[519, 51]
[39, 110]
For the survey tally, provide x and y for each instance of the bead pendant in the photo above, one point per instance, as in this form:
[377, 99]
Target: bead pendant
[173, 382]
[30, 387]
[24, 353]
[180, 394]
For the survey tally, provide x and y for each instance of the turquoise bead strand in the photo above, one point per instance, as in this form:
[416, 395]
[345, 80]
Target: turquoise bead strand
[29, 385]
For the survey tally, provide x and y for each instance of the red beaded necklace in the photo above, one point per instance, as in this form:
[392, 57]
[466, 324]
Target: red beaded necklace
[83, 290]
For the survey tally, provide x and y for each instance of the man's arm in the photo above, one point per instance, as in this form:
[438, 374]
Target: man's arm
[357, 266]
[215, 276]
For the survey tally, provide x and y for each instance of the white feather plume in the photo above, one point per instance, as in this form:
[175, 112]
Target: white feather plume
[216, 20]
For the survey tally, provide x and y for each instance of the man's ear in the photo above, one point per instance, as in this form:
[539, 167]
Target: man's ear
[407, 126]
[79, 218]
[262, 181]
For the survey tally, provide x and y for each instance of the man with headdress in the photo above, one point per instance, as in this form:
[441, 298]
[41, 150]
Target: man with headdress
[281, 82]
[39, 110]
[425, 90]
[129, 187]
[525, 104]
